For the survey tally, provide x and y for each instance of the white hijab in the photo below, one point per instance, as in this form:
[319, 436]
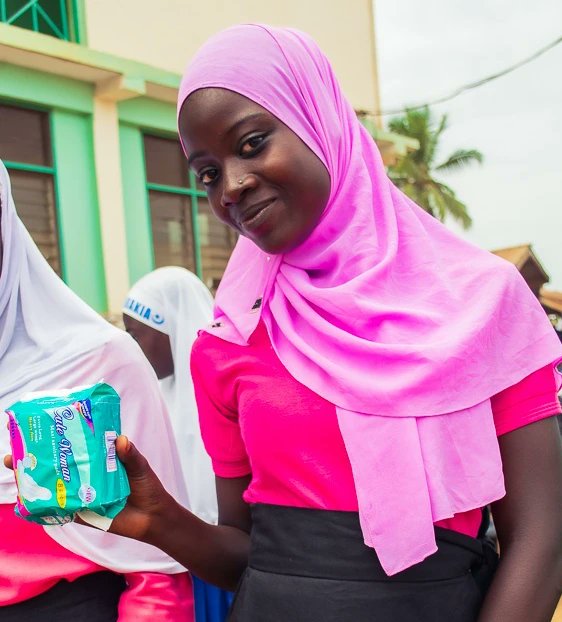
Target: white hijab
[50, 339]
[174, 301]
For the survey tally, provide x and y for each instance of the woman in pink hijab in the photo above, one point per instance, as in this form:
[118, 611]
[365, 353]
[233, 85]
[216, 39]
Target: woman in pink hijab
[370, 381]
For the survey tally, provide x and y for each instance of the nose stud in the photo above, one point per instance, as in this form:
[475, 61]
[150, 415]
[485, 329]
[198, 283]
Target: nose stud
[240, 181]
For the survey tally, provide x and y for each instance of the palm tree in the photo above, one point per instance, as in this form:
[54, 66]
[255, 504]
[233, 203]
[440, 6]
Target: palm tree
[413, 172]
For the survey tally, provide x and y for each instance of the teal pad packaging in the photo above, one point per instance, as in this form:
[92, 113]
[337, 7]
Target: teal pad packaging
[63, 451]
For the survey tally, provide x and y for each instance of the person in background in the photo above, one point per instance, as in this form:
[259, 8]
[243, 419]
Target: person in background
[164, 312]
[50, 339]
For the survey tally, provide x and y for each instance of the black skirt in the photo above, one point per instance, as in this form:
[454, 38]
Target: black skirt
[307, 565]
[91, 598]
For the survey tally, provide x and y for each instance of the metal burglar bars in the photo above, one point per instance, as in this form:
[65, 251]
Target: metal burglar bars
[172, 207]
[184, 231]
[25, 147]
[57, 18]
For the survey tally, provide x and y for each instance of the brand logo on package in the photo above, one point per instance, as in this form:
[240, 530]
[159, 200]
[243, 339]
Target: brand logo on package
[64, 446]
[84, 407]
[59, 415]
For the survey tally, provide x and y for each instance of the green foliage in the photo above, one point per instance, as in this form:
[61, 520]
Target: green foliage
[414, 172]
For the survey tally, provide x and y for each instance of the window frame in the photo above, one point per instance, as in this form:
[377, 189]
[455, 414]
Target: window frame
[42, 170]
[70, 104]
[192, 192]
[72, 24]
[139, 117]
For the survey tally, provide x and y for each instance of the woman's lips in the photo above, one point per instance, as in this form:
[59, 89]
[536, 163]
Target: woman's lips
[256, 215]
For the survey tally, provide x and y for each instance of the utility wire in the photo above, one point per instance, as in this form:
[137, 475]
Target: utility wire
[477, 83]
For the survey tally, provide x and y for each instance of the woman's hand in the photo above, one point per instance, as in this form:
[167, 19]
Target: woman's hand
[217, 554]
[148, 501]
[153, 516]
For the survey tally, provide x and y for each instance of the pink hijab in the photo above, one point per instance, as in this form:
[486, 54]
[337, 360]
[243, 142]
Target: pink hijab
[405, 328]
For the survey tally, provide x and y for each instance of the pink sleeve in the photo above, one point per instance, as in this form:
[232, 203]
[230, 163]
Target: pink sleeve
[153, 596]
[218, 417]
[531, 399]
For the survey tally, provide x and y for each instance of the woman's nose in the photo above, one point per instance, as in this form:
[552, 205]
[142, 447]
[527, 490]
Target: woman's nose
[235, 184]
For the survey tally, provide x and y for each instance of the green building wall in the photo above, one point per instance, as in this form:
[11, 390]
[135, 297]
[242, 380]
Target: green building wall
[70, 105]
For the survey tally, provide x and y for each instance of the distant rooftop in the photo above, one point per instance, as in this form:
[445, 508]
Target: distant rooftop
[525, 260]
[519, 255]
[551, 299]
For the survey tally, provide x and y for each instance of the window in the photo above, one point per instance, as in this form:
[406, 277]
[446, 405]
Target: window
[26, 151]
[184, 230]
[216, 242]
[57, 18]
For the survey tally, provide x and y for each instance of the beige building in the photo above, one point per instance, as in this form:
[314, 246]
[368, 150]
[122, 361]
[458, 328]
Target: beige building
[88, 130]
[168, 37]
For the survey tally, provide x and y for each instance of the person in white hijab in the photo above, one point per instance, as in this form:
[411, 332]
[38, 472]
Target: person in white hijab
[51, 340]
[163, 312]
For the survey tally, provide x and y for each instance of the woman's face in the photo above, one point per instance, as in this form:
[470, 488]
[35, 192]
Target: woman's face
[154, 344]
[261, 179]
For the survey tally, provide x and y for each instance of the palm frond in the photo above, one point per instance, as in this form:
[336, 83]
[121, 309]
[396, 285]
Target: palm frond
[460, 158]
[434, 138]
[454, 207]
[406, 167]
[399, 125]
[414, 124]
[413, 172]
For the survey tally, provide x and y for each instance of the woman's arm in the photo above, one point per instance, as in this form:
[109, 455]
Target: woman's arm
[528, 520]
[216, 554]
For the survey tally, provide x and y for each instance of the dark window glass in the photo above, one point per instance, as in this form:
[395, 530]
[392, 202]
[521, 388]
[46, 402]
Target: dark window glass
[172, 232]
[35, 200]
[172, 214]
[216, 243]
[165, 162]
[24, 139]
[24, 136]
[49, 17]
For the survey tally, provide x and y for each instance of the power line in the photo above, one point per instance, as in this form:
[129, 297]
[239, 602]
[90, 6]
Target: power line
[477, 83]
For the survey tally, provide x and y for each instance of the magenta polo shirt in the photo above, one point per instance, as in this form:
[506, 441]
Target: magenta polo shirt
[257, 419]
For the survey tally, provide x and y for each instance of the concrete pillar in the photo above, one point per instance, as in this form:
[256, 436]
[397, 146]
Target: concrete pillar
[110, 198]
[109, 183]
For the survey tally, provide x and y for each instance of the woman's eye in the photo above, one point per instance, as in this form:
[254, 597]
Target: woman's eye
[208, 176]
[251, 144]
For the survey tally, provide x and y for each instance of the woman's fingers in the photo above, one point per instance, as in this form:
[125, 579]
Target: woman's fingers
[129, 455]
[135, 463]
[81, 521]
[147, 492]
[8, 462]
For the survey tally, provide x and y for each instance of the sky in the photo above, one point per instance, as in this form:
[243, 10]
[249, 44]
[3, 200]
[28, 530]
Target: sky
[427, 49]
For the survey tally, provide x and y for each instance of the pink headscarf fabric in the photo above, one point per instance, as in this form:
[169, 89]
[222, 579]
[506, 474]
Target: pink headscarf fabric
[406, 328]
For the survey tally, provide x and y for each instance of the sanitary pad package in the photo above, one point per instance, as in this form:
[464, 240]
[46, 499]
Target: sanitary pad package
[63, 449]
